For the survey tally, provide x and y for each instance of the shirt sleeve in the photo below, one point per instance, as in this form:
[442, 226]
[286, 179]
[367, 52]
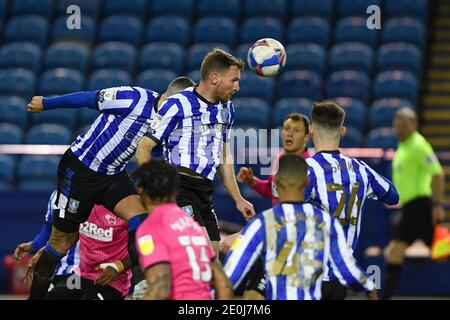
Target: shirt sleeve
[118, 100]
[166, 120]
[244, 251]
[227, 133]
[343, 263]
[263, 187]
[151, 247]
[380, 187]
[428, 160]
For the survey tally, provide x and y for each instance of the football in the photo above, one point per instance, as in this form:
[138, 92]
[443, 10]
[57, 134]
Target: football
[266, 57]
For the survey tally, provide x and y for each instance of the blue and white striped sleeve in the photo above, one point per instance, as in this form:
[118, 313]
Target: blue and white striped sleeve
[166, 120]
[227, 134]
[343, 263]
[380, 187]
[244, 251]
[118, 100]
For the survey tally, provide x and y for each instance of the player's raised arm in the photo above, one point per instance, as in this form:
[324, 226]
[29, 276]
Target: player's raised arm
[83, 99]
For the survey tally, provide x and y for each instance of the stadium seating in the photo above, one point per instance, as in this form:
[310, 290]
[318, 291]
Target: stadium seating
[3, 9]
[300, 84]
[257, 87]
[356, 8]
[10, 134]
[404, 30]
[316, 8]
[399, 56]
[351, 84]
[198, 51]
[353, 138]
[18, 82]
[48, 134]
[117, 55]
[13, 110]
[382, 138]
[167, 56]
[107, 78]
[67, 55]
[242, 50]
[61, 81]
[86, 116]
[156, 80]
[88, 8]
[218, 8]
[309, 29]
[310, 57]
[21, 55]
[406, 8]
[177, 31]
[265, 8]
[136, 8]
[86, 34]
[253, 29]
[7, 166]
[252, 112]
[121, 28]
[351, 56]
[28, 28]
[183, 8]
[382, 112]
[355, 112]
[65, 117]
[43, 8]
[215, 29]
[396, 84]
[194, 75]
[35, 170]
[354, 29]
[285, 106]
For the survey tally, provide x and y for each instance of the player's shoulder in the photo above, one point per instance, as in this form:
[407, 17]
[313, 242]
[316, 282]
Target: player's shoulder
[184, 96]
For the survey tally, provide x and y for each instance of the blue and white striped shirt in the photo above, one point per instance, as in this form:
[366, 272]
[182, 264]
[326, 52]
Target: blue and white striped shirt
[193, 131]
[111, 141]
[296, 241]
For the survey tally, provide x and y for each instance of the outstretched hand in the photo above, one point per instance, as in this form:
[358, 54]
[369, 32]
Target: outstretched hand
[36, 104]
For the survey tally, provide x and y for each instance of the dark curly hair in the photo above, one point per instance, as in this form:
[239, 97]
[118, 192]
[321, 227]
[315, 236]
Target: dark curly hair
[157, 178]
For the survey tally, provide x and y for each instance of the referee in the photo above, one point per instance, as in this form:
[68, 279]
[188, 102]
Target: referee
[419, 179]
[194, 127]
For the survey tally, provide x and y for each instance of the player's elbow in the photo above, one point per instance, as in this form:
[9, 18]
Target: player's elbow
[391, 198]
[143, 150]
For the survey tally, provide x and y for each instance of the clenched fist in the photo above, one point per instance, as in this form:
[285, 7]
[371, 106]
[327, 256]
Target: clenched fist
[36, 104]
[245, 175]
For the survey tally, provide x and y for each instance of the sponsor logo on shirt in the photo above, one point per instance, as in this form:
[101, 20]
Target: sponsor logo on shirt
[91, 230]
[146, 245]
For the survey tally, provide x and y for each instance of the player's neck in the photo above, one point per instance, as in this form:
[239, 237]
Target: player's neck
[325, 145]
[291, 196]
[206, 93]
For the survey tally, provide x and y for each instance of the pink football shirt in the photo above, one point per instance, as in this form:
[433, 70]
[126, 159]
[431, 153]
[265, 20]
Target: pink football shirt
[103, 239]
[169, 235]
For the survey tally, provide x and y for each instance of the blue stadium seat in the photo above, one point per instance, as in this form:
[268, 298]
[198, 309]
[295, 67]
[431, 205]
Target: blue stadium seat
[43, 8]
[117, 55]
[37, 185]
[351, 84]
[252, 112]
[218, 8]
[355, 112]
[156, 80]
[382, 138]
[86, 34]
[107, 78]
[253, 29]
[3, 9]
[162, 55]
[183, 8]
[88, 8]
[65, 117]
[10, 134]
[7, 166]
[215, 29]
[177, 31]
[136, 8]
[315, 8]
[285, 106]
[407, 8]
[356, 8]
[198, 51]
[353, 138]
[308, 56]
[121, 28]
[19, 82]
[258, 87]
[396, 84]
[382, 112]
[400, 56]
[354, 29]
[27, 29]
[87, 116]
[35, 169]
[48, 134]
[351, 56]
[21, 55]
[194, 75]
[265, 8]
[67, 55]
[13, 110]
[309, 29]
[303, 84]
[404, 30]
[60, 81]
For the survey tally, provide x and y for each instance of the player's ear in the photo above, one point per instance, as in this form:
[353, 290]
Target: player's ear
[214, 78]
[343, 131]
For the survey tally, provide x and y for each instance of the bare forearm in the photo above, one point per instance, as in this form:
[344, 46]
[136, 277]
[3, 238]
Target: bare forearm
[226, 172]
[143, 150]
[159, 283]
[437, 185]
[221, 283]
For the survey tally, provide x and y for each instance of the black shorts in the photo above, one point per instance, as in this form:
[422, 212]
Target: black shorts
[195, 198]
[416, 222]
[256, 278]
[86, 290]
[333, 290]
[80, 188]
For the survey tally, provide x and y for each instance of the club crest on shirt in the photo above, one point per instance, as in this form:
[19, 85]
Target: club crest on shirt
[73, 205]
[107, 95]
[146, 245]
[111, 219]
[188, 210]
[224, 115]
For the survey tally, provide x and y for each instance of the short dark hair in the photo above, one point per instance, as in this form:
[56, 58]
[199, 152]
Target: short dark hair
[295, 116]
[179, 84]
[327, 114]
[219, 60]
[292, 170]
[157, 178]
